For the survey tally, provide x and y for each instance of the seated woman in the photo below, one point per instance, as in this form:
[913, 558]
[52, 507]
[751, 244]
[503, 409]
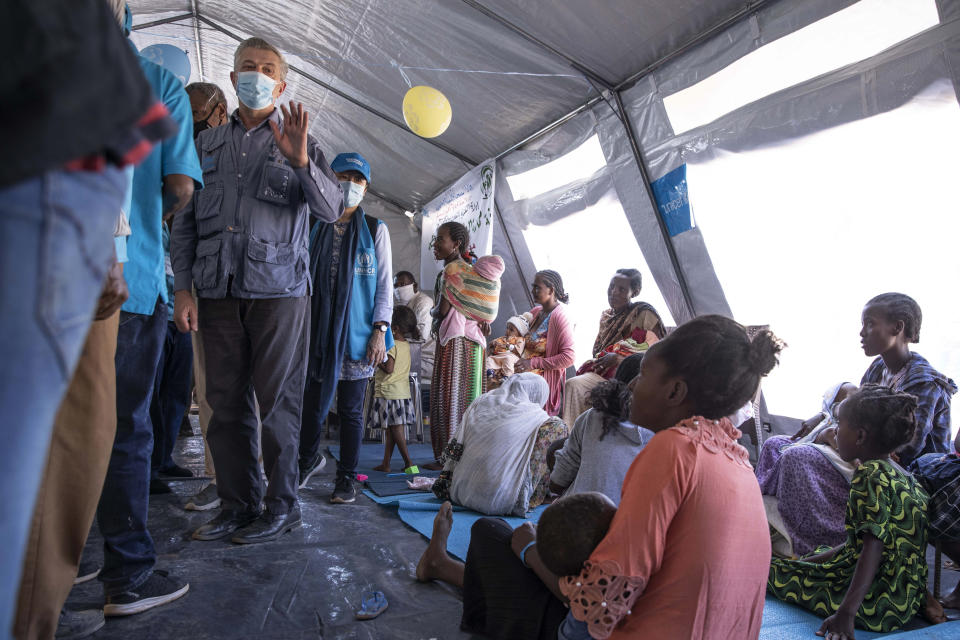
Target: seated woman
[891, 321]
[625, 328]
[548, 350]
[603, 443]
[496, 462]
[805, 483]
[688, 551]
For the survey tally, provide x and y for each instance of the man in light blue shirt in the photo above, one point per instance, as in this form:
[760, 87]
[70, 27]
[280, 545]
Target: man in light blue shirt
[162, 185]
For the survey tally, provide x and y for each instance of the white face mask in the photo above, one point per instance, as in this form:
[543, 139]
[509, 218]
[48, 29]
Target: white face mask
[352, 193]
[404, 294]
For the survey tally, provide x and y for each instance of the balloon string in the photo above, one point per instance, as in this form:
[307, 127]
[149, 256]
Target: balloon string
[403, 73]
[393, 63]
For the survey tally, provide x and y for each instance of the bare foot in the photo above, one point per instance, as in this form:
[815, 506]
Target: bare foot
[433, 466]
[932, 611]
[436, 554]
[382, 467]
[952, 600]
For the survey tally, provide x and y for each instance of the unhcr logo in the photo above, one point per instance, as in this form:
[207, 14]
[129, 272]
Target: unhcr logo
[366, 264]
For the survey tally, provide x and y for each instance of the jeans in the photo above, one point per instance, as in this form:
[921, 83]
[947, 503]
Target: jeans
[350, 395]
[56, 243]
[83, 434]
[171, 394]
[128, 552]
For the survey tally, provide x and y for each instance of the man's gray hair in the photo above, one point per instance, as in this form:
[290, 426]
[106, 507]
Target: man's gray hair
[209, 91]
[260, 43]
[118, 7]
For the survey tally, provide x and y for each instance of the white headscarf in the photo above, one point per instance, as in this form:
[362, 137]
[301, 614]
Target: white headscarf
[498, 433]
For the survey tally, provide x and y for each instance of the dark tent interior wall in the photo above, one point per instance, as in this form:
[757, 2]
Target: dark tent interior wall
[777, 161]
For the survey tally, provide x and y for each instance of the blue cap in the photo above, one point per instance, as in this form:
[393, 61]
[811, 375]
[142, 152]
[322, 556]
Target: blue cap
[351, 162]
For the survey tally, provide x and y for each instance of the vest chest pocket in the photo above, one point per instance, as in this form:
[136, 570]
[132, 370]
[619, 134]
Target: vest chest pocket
[212, 156]
[206, 266]
[277, 183]
[271, 267]
[207, 210]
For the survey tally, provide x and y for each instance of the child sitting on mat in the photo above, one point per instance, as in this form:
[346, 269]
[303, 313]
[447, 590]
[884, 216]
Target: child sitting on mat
[506, 350]
[877, 579]
[392, 407]
[568, 532]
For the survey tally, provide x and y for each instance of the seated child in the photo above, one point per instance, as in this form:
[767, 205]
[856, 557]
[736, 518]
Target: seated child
[392, 407]
[506, 350]
[566, 535]
[568, 532]
[603, 442]
[877, 579]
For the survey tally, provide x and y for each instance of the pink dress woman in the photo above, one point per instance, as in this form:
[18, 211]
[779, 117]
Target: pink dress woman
[550, 351]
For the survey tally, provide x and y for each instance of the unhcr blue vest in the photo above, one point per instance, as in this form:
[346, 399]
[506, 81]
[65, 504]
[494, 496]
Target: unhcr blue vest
[363, 295]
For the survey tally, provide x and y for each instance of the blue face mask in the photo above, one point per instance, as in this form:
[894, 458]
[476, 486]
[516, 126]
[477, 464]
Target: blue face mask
[352, 193]
[254, 89]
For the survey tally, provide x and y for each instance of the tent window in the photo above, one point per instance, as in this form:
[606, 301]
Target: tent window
[845, 37]
[577, 164]
[587, 247]
[803, 233]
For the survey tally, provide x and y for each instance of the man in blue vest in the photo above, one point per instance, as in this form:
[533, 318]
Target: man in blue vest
[243, 244]
[350, 325]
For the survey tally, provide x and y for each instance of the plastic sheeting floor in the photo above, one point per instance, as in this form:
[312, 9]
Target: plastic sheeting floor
[307, 585]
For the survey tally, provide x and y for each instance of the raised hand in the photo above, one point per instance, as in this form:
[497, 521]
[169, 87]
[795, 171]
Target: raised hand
[292, 141]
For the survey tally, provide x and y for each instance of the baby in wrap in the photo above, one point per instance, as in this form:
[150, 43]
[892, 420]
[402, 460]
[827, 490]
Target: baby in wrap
[506, 350]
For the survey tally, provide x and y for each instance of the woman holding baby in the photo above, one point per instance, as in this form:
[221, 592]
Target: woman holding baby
[548, 348]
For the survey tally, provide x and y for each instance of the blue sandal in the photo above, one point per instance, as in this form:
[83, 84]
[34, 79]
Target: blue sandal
[372, 604]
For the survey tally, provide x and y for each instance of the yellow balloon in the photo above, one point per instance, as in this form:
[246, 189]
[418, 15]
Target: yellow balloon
[426, 111]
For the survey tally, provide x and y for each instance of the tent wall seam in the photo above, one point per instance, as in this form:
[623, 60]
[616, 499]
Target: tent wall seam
[513, 254]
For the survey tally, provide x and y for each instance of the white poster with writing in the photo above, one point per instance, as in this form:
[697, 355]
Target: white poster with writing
[468, 201]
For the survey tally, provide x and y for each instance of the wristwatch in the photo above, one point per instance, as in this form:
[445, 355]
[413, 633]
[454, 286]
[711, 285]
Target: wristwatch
[381, 327]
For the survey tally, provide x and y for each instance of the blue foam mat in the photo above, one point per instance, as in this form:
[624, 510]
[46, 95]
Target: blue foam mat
[371, 454]
[420, 513]
[783, 621]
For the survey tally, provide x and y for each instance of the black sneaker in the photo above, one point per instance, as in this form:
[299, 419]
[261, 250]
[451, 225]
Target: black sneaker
[310, 468]
[344, 491]
[160, 588]
[78, 624]
[176, 471]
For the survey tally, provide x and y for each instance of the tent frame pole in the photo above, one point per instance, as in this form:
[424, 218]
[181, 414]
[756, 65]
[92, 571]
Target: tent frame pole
[195, 6]
[645, 178]
[629, 81]
[577, 66]
[154, 23]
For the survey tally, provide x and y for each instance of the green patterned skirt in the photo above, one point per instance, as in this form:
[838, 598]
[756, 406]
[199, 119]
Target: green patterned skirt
[891, 506]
